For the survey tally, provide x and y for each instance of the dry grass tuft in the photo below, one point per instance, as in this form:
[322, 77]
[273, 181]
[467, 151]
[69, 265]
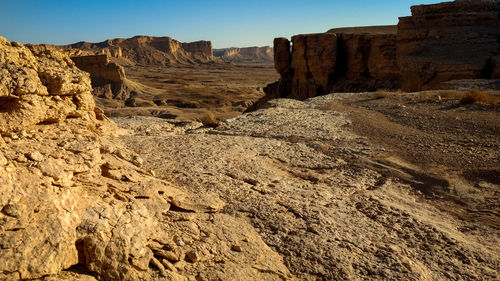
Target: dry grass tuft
[380, 94]
[209, 120]
[478, 96]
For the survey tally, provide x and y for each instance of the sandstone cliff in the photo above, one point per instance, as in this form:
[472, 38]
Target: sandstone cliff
[76, 205]
[201, 50]
[354, 59]
[148, 50]
[108, 78]
[438, 43]
[448, 41]
[246, 55]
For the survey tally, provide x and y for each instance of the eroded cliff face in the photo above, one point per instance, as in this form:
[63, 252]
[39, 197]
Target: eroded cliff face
[438, 43]
[339, 60]
[199, 49]
[108, 78]
[246, 55]
[147, 50]
[75, 204]
[448, 41]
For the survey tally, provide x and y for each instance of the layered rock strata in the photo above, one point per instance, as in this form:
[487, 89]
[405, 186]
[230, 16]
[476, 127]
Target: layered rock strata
[448, 41]
[149, 50]
[76, 205]
[246, 55]
[438, 43]
[199, 49]
[107, 77]
[315, 64]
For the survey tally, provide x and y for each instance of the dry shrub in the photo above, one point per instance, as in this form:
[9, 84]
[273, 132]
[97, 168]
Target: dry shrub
[209, 120]
[451, 94]
[478, 96]
[380, 94]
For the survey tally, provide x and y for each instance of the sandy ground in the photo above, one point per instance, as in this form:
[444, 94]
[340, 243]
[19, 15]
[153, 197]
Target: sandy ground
[349, 186]
[188, 92]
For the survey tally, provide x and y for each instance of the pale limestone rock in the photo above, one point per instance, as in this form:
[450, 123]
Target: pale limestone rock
[35, 156]
[84, 201]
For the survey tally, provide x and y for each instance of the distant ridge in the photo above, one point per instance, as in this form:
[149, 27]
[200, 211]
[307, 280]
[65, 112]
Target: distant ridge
[246, 55]
[148, 50]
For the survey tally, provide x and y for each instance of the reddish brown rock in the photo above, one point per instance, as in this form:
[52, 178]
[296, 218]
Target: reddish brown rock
[201, 49]
[313, 61]
[438, 43]
[101, 69]
[495, 66]
[282, 56]
[356, 59]
[147, 50]
[448, 41]
[108, 78]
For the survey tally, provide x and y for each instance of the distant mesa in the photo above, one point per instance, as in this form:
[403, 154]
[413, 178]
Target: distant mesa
[436, 44]
[246, 55]
[146, 50]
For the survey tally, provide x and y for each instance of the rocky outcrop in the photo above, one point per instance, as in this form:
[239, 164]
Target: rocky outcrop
[108, 78]
[334, 204]
[448, 41]
[75, 204]
[199, 49]
[101, 69]
[438, 43]
[110, 86]
[339, 60]
[39, 85]
[149, 50]
[246, 55]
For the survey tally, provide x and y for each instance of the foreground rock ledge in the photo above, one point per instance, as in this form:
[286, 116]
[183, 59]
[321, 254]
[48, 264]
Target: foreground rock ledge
[76, 205]
[333, 204]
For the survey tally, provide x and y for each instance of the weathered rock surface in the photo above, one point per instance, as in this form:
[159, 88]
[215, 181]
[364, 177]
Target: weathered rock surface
[39, 85]
[110, 84]
[317, 194]
[448, 41]
[339, 60]
[201, 50]
[282, 56]
[108, 78]
[438, 43]
[245, 55]
[76, 205]
[148, 50]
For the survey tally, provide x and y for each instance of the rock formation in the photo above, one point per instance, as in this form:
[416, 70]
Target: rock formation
[76, 205]
[335, 205]
[339, 60]
[448, 41]
[199, 49]
[108, 78]
[438, 43]
[245, 55]
[148, 50]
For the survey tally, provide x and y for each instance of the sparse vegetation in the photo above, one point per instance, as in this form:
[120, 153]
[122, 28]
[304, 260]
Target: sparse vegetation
[478, 96]
[475, 96]
[209, 120]
[380, 94]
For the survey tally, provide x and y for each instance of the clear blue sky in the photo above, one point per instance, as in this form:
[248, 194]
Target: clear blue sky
[226, 23]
